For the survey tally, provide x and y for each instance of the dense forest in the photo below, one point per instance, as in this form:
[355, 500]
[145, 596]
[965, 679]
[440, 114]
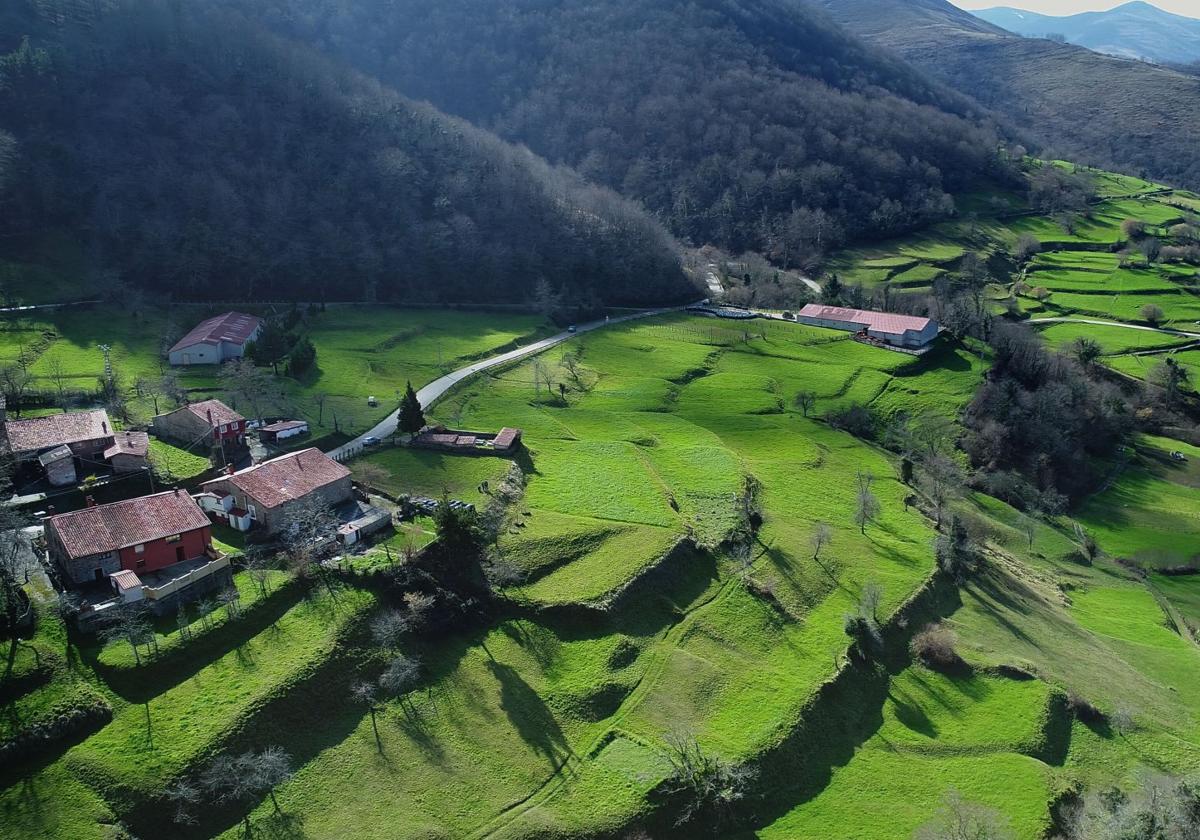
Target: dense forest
[756, 124]
[192, 151]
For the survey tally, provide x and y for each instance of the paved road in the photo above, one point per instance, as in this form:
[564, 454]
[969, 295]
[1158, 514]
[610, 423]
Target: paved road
[435, 389]
[1163, 330]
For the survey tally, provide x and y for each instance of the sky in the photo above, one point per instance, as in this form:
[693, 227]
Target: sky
[1190, 8]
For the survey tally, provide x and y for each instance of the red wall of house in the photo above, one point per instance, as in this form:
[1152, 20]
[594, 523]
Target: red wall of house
[232, 432]
[160, 553]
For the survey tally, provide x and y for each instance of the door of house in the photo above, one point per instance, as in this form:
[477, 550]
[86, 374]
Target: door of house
[99, 575]
[179, 554]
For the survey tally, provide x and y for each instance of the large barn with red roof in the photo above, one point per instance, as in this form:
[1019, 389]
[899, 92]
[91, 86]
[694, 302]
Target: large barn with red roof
[907, 331]
[217, 340]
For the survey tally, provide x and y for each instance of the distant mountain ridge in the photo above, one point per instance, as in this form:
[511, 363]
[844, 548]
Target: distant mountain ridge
[1077, 104]
[1134, 30]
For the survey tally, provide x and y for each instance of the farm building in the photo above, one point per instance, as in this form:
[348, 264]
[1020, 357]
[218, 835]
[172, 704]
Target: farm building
[908, 331]
[265, 494]
[282, 430]
[469, 443]
[59, 464]
[210, 419]
[216, 340]
[154, 548]
[128, 452]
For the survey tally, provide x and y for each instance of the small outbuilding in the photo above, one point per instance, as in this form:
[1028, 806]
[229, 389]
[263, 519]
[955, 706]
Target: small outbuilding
[59, 464]
[129, 452]
[282, 430]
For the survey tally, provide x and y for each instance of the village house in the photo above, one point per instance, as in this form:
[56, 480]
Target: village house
[210, 420]
[58, 442]
[905, 331]
[264, 495]
[129, 452]
[217, 340]
[154, 548]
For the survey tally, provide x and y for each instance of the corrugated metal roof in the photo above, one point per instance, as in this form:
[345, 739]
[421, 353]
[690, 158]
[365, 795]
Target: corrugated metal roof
[234, 327]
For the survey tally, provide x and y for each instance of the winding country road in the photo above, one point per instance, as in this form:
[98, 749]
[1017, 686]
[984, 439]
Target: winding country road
[438, 387]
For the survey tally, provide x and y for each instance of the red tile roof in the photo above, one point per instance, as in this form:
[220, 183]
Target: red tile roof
[95, 530]
[126, 579]
[882, 321]
[221, 413]
[56, 429]
[129, 443]
[234, 327]
[286, 478]
[506, 438]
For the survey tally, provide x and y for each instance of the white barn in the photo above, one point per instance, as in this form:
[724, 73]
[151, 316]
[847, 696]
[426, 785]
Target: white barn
[217, 340]
[909, 331]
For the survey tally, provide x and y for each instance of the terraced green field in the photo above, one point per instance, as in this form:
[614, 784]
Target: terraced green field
[363, 352]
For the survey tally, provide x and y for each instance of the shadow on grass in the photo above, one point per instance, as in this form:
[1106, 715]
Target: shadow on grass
[529, 714]
[139, 684]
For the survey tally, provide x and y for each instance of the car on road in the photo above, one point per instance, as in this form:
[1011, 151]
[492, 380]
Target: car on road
[371, 440]
[571, 328]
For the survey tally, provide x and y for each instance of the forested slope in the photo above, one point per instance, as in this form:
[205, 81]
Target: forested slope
[192, 152]
[757, 124]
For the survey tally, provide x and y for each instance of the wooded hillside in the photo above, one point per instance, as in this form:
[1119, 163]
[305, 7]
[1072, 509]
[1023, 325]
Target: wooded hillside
[755, 124]
[198, 155]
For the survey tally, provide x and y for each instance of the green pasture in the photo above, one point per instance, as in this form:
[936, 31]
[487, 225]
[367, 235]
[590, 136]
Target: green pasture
[1113, 340]
[1152, 511]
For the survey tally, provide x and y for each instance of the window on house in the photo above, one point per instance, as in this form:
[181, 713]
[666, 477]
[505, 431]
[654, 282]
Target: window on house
[224, 427]
[174, 538]
[253, 511]
[139, 548]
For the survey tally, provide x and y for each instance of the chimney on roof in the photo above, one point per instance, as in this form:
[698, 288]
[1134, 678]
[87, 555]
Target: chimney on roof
[90, 501]
[50, 511]
[210, 416]
[229, 470]
[104, 426]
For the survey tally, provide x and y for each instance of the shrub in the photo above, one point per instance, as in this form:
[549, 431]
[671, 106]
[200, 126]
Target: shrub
[1083, 709]
[934, 646]
[856, 419]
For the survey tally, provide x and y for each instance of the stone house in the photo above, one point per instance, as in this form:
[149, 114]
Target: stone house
[264, 495]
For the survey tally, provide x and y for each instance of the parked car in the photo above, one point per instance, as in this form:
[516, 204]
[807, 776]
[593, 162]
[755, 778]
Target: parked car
[571, 328]
[371, 440]
[1178, 456]
[372, 401]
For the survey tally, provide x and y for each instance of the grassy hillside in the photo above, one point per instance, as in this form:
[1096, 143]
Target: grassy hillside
[363, 352]
[1087, 268]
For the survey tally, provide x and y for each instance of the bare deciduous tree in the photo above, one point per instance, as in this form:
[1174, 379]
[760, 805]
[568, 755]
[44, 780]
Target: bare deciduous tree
[959, 819]
[866, 504]
[822, 535]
